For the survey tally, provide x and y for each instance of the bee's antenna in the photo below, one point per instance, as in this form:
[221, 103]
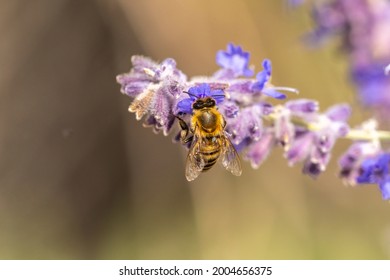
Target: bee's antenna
[219, 95]
[190, 94]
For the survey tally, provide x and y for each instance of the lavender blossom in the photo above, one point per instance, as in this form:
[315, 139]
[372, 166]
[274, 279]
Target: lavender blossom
[376, 171]
[363, 27]
[365, 162]
[259, 150]
[350, 162]
[313, 144]
[234, 63]
[359, 151]
[263, 78]
[154, 88]
[162, 94]
[283, 127]
[247, 124]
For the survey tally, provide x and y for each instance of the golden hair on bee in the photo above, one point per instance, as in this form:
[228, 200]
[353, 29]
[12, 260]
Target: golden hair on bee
[208, 139]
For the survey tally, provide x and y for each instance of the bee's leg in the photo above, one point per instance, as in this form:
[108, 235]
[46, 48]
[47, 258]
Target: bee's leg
[184, 138]
[223, 122]
[188, 139]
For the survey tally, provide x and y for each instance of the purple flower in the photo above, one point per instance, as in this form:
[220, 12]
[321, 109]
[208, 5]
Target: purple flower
[264, 77]
[302, 106]
[246, 91]
[313, 145]
[376, 171]
[161, 92]
[319, 154]
[234, 63]
[363, 28]
[229, 109]
[384, 187]
[330, 19]
[184, 106]
[259, 150]
[339, 113]
[300, 148]
[154, 88]
[139, 78]
[350, 162]
[283, 127]
[247, 124]
[372, 85]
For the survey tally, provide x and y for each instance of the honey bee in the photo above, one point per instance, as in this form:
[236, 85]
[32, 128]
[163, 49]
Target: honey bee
[209, 140]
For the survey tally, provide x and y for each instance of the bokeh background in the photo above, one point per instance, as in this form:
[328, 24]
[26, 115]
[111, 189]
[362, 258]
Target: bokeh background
[80, 178]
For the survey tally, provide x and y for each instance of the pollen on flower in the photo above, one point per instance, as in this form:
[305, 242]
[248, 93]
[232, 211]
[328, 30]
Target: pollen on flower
[142, 102]
[149, 72]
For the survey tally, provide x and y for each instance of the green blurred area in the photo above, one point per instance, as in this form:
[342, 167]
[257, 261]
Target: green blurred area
[80, 178]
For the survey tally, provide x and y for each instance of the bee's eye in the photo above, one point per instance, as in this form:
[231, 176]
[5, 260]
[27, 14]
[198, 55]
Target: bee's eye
[198, 104]
[209, 103]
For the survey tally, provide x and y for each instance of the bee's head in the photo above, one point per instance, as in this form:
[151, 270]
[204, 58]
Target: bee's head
[201, 103]
[201, 96]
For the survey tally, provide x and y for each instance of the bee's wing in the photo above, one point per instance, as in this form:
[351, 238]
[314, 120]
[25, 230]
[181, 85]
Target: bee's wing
[195, 161]
[230, 158]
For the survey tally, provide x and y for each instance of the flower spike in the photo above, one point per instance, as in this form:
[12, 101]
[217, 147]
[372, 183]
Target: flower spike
[237, 117]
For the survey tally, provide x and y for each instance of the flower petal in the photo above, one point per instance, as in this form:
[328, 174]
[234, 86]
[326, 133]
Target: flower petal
[300, 148]
[259, 150]
[235, 61]
[264, 76]
[184, 106]
[302, 106]
[339, 112]
[384, 187]
[273, 93]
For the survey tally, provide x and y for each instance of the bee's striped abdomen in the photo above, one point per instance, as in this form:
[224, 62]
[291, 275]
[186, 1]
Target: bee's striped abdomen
[210, 151]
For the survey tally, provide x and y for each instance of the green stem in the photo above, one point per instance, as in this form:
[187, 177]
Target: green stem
[354, 134]
[362, 135]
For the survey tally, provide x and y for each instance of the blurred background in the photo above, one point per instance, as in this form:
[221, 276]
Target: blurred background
[80, 178]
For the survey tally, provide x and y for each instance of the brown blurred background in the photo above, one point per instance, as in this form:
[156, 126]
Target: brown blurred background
[80, 178]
